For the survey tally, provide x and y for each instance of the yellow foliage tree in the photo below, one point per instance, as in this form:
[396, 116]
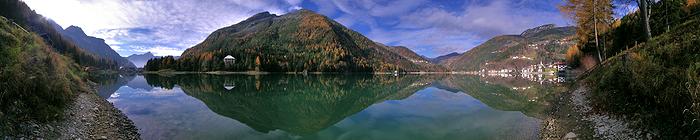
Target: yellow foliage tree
[591, 16]
[257, 63]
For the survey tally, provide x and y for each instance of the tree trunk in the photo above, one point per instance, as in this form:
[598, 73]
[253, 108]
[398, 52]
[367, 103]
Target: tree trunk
[644, 13]
[595, 28]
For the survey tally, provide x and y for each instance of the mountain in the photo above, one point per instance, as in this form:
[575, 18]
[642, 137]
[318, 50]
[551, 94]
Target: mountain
[415, 58]
[140, 59]
[298, 41]
[95, 45]
[440, 59]
[19, 13]
[545, 44]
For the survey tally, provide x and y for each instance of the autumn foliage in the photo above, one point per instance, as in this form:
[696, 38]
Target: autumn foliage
[573, 56]
[296, 42]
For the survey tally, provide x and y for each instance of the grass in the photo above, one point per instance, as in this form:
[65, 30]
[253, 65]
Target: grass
[36, 82]
[656, 82]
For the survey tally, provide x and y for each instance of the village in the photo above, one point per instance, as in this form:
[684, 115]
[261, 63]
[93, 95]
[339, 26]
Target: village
[553, 72]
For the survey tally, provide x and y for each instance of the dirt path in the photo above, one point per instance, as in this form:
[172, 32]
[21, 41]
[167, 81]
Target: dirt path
[572, 117]
[88, 117]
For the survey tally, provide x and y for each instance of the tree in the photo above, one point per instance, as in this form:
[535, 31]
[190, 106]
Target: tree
[257, 63]
[591, 16]
[644, 12]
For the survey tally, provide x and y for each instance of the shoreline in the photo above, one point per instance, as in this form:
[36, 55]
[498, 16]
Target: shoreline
[572, 116]
[318, 73]
[87, 116]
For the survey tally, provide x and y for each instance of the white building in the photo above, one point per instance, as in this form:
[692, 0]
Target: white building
[229, 60]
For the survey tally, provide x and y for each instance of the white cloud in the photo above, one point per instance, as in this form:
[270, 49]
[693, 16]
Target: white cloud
[172, 24]
[485, 20]
[159, 50]
[434, 29]
[429, 27]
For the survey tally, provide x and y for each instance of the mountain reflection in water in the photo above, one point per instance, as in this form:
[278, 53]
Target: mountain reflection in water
[331, 106]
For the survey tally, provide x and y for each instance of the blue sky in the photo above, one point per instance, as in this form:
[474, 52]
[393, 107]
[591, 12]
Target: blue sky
[429, 27]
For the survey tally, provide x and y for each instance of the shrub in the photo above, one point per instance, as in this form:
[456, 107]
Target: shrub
[573, 56]
[36, 82]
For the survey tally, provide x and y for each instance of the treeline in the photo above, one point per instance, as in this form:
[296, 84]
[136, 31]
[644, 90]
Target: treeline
[279, 60]
[251, 61]
[18, 12]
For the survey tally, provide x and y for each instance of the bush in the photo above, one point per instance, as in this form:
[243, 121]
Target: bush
[36, 82]
[573, 56]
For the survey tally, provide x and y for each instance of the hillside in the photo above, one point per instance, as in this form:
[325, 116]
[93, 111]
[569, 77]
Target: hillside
[94, 45]
[36, 82]
[440, 59]
[22, 15]
[660, 77]
[140, 59]
[415, 58]
[545, 44]
[298, 41]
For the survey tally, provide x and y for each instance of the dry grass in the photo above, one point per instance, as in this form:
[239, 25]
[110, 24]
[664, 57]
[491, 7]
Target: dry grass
[36, 82]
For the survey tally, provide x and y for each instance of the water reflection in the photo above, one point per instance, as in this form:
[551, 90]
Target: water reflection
[331, 106]
[298, 104]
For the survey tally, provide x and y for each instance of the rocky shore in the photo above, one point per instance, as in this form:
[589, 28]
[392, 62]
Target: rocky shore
[87, 117]
[572, 117]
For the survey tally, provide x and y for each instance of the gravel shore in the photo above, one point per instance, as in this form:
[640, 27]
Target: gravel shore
[572, 117]
[87, 117]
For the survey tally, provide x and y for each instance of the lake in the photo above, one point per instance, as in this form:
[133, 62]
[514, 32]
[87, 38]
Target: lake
[200, 106]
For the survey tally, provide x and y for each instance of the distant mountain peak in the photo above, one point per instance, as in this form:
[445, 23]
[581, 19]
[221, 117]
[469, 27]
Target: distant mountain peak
[75, 30]
[452, 54]
[147, 54]
[94, 45]
[530, 32]
[442, 58]
[140, 59]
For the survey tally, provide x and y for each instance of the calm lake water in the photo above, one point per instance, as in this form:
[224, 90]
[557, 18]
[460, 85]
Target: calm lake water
[331, 106]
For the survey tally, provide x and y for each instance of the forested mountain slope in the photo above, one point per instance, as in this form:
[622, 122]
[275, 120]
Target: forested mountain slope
[298, 41]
